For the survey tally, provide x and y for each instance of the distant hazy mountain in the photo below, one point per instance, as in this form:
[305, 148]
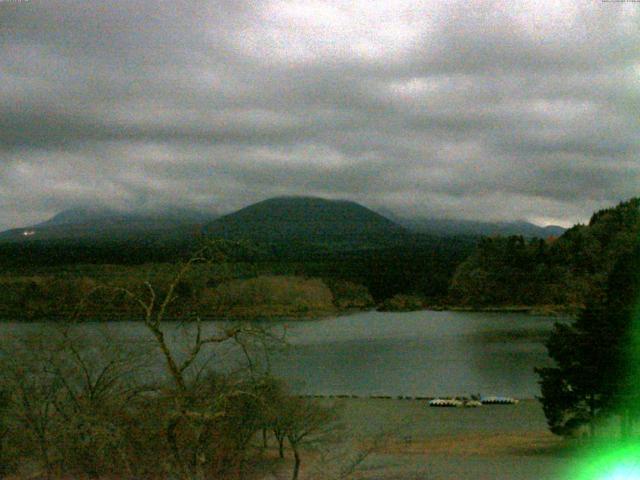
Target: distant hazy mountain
[307, 219]
[78, 216]
[107, 224]
[447, 227]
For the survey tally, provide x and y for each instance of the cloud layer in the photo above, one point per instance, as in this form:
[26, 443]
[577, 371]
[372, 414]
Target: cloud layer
[483, 110]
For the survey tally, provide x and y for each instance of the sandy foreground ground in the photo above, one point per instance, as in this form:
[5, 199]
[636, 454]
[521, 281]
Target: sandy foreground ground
[407, 439]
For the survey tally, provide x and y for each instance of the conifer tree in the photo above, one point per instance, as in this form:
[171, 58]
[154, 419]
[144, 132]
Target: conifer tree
[596, 358]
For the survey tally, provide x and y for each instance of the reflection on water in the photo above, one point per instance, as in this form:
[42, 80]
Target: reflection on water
[417, 354]
[373, 353]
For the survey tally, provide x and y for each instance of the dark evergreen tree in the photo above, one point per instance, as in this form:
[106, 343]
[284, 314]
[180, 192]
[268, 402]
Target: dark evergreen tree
[596, 357]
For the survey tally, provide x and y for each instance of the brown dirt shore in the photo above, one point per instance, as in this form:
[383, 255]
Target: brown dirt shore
[415, 441]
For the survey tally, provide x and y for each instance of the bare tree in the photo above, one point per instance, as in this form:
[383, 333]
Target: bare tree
[304, 422]
[188, 412]
[33, 392]
[69, 391]
[83, 403]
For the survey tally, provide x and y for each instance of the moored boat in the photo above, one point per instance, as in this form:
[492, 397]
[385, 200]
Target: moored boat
[445, 402]
[498, 400]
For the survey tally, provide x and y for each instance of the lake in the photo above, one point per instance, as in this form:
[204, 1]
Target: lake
[422, 353]
[417, 354]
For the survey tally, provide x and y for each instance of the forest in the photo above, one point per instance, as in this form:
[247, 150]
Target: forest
[47, 279]
[563, 271]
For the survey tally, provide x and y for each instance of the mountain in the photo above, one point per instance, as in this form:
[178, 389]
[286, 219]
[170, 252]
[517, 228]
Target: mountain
[107, 224]
[450, 227]
[305, 219]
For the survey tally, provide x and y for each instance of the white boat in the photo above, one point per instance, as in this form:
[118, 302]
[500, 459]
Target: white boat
[445, 402]
[497, 400]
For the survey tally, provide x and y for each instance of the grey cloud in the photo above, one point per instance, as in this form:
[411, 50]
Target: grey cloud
[226, 102]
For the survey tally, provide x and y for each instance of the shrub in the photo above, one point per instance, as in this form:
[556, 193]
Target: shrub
[270, 296]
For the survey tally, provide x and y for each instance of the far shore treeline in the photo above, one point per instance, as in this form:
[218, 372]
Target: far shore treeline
[297, 259]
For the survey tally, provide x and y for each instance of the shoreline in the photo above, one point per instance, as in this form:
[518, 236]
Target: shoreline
[461, 443]
[544, 311]
[534, 310]
[407, 398]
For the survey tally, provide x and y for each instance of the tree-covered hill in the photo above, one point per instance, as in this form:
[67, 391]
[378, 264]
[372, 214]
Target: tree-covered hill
[305, 219]
[555, 271]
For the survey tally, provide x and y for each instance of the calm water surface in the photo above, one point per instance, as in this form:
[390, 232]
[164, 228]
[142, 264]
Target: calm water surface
[416, 354]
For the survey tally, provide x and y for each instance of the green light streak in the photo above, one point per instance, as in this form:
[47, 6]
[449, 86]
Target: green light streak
[616, 464]
[620, 459]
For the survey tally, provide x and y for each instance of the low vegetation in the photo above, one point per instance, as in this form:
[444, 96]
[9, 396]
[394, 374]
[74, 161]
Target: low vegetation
[403, 303]
[207, 291]
[269, 296]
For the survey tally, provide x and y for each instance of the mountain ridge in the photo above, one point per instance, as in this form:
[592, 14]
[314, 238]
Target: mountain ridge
[90, 223]
[317, 218]
[449, 227]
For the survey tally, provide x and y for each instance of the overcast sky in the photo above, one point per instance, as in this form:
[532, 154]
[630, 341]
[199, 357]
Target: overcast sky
[464, 109]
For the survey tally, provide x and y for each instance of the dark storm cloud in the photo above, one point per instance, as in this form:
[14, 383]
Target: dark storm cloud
[480, 109]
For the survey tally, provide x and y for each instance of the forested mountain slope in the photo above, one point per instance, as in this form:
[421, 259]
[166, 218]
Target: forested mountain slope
[308, 219]
[555, 271]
